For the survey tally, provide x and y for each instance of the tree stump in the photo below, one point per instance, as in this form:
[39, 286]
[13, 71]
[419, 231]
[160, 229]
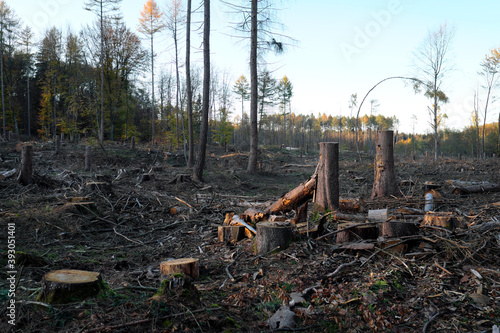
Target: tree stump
[384, 184]
[58, 144]
[88, 158]
[68, 285]
[187, 266]
[357, 233]
[26, 174]
[327, 189]
[393, 229]
[231, 233]
[132, 143]
[446, 220]
[272, 236]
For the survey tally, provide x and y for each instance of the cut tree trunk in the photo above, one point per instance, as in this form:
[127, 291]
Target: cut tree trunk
[356, 233]
[384, 184]
[446, 220]
[327, 192]
[26, 174]
[231, 234]
[301, 214]
[393, 229]
[272, 236]
[68, 285]
[187, 266]
[88, 158]
[58, 144]
[462, 187]
[295, 198]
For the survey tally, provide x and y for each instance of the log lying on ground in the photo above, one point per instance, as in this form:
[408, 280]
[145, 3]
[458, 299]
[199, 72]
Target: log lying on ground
[68, 285]
[295, 198]
[462, 187]
[187, 266]
[272, 236]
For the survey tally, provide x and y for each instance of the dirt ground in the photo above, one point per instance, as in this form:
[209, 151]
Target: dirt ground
[124, 226]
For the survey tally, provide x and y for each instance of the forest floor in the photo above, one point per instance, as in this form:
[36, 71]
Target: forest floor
[437, 281]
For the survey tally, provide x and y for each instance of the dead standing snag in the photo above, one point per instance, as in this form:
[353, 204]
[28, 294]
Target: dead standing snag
[384, 184]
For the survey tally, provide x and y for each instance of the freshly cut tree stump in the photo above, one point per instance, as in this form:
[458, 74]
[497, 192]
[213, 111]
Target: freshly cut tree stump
[231, 233]
[384, 184]
[327, 191]
[26, 175]
[272, 236]
[187, 266]
[353, 234]
[446, 220]
[69, 285]
[393, 229]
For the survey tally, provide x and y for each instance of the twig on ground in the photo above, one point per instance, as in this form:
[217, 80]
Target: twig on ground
[130, 240]
[341, 267]
[428, 324]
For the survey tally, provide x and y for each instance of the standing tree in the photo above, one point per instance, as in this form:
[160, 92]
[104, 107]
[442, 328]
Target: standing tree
[174, 18]
[489, 71]
[150, 23]
[285, 92]
[254, 139]
[432, 63]
[26, 37]
[241, 88]
[101, 8]
[200, 161]
[189, 90]
[8, 22]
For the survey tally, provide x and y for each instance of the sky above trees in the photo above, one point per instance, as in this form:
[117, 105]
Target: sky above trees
[343, 47]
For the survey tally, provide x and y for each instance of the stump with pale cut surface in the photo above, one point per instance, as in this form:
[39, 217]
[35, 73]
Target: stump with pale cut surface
[273, 236]
[69, 285]
[187, 266]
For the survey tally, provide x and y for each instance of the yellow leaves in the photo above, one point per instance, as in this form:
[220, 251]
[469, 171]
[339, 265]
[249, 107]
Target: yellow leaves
[151, 17]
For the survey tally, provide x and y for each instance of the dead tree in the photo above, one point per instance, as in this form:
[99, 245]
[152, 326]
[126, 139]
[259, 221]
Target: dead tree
[327, 192]
[26, 175]
[384, 184]
[58, 144]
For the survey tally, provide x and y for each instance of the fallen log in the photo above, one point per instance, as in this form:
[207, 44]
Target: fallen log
[462, 187]
[295, 198]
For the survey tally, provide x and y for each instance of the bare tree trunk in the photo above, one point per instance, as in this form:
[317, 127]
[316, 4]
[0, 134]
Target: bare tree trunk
[26, 174]
[200, 162]
[254, 135]
[384, 184]
[88, 158]
[327, 192]
[188, 86]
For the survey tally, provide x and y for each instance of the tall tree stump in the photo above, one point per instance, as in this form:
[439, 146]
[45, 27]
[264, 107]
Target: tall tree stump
[26, 174]
[58, 144]
[384, 184]
[272, 236]
[69, 285]
[327, 189]
[187, 266]
[88, 158]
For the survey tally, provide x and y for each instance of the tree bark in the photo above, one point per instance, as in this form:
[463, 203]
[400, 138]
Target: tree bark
[295, 198]
[188, 86]
[200, 162]
[327, 192]
[272, 236]
[384, 184]
[68, 285]
[26, 174]
[254, 135]
[230, 233]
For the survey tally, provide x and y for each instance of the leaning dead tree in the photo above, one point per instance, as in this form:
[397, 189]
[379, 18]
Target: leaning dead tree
[384, 184]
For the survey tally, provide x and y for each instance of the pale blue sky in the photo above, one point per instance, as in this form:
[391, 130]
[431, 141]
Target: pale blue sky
[343, 47]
